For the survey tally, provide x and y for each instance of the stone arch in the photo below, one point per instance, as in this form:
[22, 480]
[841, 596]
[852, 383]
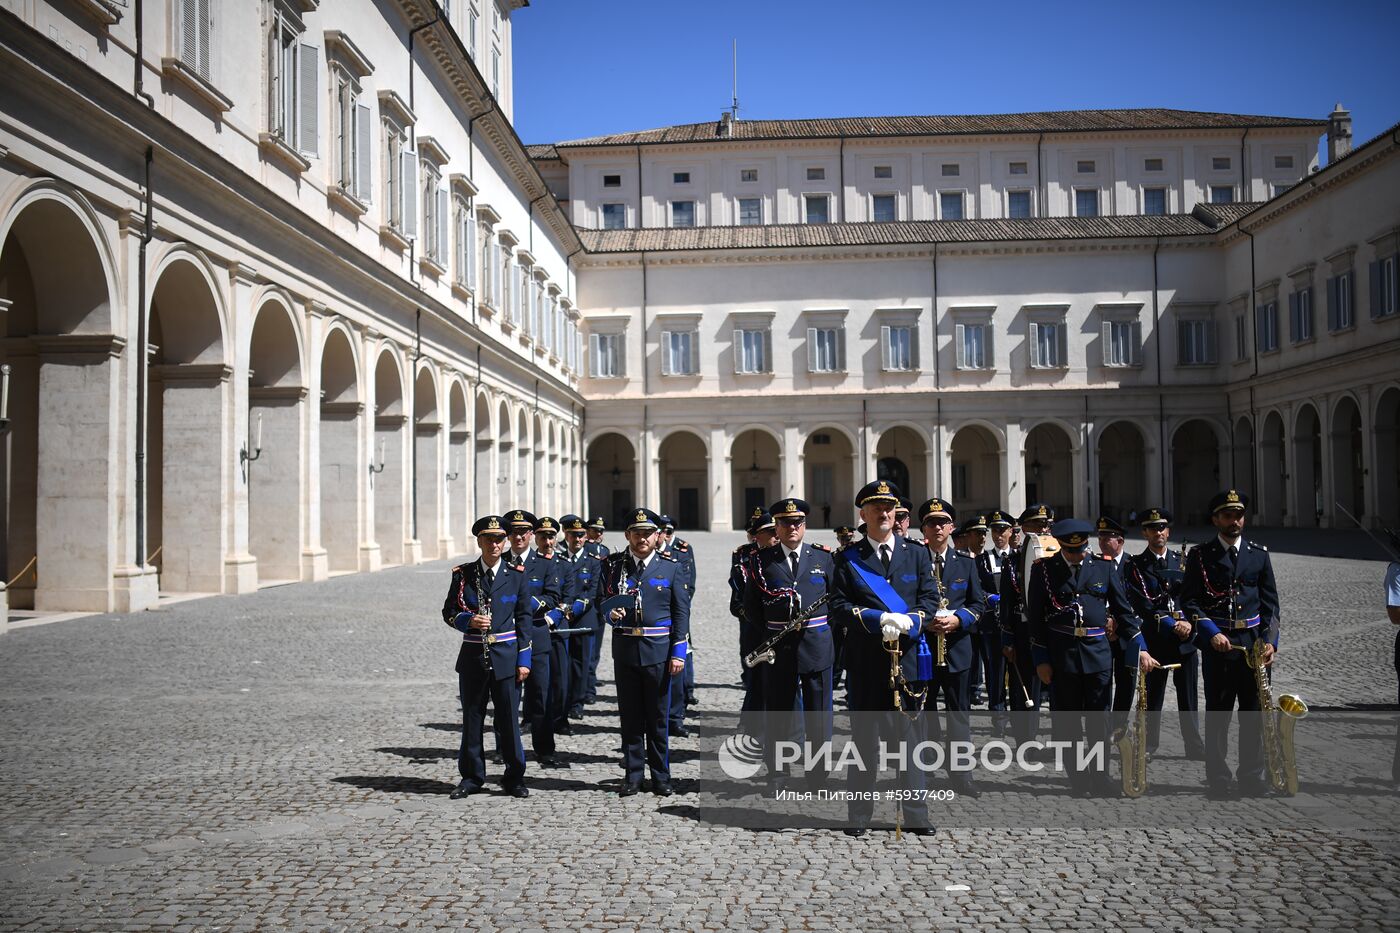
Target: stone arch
[1121, 450]
[755, 461]
[1307, 466]
[611, 460]
[1348, 459]
[1272, 507]
[457, 477]
[429, 465]
[342, 439]
[829, 475]
[276, 425]
[483, 455]
[683, 458]
[977, 464]
[389, 481]
[902, 456]
[1049, 465]
[1196, 445]
[1385, 474]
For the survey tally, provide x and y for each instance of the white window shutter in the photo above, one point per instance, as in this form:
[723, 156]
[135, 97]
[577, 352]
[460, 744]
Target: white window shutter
[409, 190]
[1033, 342]
[959, 349]
[1210, 341]
[914, 347]
[206, 29]
[884, 346]
[695, 352]
[841, 349]
[767, 337]
[471, 250]
[189, 32]
[619, 344]
[307, 97]
[1062, 332]
[362, 184]
[738, 350]
[1108, 359]
[1135, 351]
[811, 349]
[444, 211]
[593, 351]
[989, 359]
[665, 353]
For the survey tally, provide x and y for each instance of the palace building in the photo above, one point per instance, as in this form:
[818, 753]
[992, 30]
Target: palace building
[283, 295]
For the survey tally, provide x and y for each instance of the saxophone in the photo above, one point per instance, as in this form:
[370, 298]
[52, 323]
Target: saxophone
[1132, 743]
[1278, 721]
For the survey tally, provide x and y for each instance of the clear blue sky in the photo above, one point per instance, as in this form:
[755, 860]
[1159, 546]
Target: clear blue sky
[586, 67]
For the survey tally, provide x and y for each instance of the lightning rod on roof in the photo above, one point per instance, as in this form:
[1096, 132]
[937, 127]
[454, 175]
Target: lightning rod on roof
[734, 106]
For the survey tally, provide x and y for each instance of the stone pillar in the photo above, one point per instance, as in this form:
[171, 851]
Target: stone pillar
[1154, 455]
[1014, 468]
[314, 561]
[937, 478]
[342, 478]
[274, 488]
[431, 483]
[790, 458]
[1328, 519]
[720, 491]
[650, 492]
[1370, 497]
[196, 466]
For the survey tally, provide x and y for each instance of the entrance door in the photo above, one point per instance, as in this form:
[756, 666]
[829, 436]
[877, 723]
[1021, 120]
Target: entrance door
[688, 501]
[754, 497]
[621, 507]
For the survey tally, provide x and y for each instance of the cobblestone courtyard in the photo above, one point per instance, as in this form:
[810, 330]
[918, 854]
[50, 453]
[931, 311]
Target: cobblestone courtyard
[282, 761]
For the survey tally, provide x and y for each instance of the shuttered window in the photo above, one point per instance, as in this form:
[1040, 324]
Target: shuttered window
[899, 347]
[606, 359]
[1049, 345]
[752, 351]
[1195, 342]
[826, 349]
[1300, 315]
[680, 353]
[1340, 312]
[196, 28]
[1122, 343]
[973, 345]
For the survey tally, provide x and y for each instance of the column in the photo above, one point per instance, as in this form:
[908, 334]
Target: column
[1014, 468]
[790, 458]
[1328, 518]
[650, 493]
[720, 491]
[315, 563]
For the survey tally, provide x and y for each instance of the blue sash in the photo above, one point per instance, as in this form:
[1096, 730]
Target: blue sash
[878, 586]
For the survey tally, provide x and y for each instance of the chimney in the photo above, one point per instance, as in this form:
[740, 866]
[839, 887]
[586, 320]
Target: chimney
[726, 124]
[1338, 133]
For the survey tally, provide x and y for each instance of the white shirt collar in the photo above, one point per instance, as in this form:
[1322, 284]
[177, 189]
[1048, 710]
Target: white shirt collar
[948, 551]
[524, 555]
[1239, 545]
[888, 542]
[789, 551]
[641, 562]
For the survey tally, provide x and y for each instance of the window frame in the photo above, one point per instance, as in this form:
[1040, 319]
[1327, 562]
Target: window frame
[739, 211]
[894, 203]
[961, 195]
[1156, 189]
[810, 196]
[1078, 192]
[672, 214]
[1030, 203]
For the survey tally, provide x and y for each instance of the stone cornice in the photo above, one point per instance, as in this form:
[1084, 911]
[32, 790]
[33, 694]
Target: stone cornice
[77, 345]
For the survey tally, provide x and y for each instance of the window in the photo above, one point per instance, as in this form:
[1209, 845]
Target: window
[973, 345]
[1152, 165]
[951, 170]
[817, 208]
[680, 178]
[950, 205]
[882, 207]
[1220, 163]
[751, 351]
[488, 262]
[1384, 298]
[400, 181]
[614, 216]
[496, 73]
[884, 171]
[1122, 343]
[464, 258]
[1195, 342]
[1281, 187]
[680, 353]
[292, 73]
[1266, 327]
[473, 25]
[899, 347]
[1086, 202]
[196, 27]
[1300, 318]
[816, 174]
[1340, 315]
[605, 357]
[1283, 161]
[1049, 345]
[1241, 351]
[352, 131]
[434, 216]
[1018, 204]
[748, 174]
[682, 213]
[612, 181]
[826, 349]
[1222, 194]
[1018, 168]
[1085, 166]
[750, 212]
[1154, 200]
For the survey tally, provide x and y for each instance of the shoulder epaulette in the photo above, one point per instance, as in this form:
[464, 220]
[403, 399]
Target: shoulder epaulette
[821, 547]
[1256, 546]
[518, 568]
[681, 545]
[666, 555]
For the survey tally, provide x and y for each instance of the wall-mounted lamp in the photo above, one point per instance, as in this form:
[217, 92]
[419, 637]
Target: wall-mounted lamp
[5, 397]
[377, 469]
[243, 455]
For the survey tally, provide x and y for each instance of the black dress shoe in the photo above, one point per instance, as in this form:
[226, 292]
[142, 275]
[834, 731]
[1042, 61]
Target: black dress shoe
[690, 701]
[1195, 754]
[856, 832]
[464, 789]
[1107, 790]
[630, 788]
[576, 712]
[1220, 790]
[662, 788]
[563, 728]
[679, 732]
[922, 830]
[518, 790]
[1254, 789]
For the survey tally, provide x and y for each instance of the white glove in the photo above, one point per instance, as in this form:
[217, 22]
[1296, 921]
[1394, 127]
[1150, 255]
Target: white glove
[905, 623]
[889, 630]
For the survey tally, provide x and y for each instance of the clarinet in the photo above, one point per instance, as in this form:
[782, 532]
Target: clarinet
[482, 606]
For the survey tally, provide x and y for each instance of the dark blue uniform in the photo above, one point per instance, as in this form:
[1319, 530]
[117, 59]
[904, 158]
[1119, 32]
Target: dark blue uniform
[599, 552]
[863, 590]
[989, 573]
[1154, 588]
[543, 590]
[1068, 615]
[1015, 633]
[958, 584]
[508, 646]
[750, 630]
[641, 652]
[585, 569]
[1237, 596]
[683, 686]
[560, 683]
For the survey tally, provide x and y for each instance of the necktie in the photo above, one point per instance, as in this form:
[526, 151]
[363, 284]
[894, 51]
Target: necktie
[885, 556]
[792, 559]
[939, 558]
[1234, 558]
[490, 578]
[1074, 575]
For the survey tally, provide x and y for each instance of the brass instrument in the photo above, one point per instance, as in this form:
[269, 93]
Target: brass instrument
[1278, 721]
[766, 653]
[1132, 743]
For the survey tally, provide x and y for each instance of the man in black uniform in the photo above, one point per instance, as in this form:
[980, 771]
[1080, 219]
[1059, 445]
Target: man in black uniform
[683, 687]
[1111, 540]
[595, 548]
[1015, 636]
[761, 535]
[487, 603]
[990, 564]
[558, 617]
[585, 568]
[1231, 599]
[543, 590]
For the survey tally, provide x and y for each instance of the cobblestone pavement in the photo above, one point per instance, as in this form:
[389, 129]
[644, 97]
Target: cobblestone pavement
[282, 761]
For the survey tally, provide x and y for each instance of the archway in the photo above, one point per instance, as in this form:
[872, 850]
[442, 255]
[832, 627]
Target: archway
[57, 476]
[1272, 508]
[484, 461]
[1122, 460]
[429, 468]
[976, 465]
[342, 465]
[685, 480]
[828, 477]
[504, 493]
[276, 426]
[457, 476]
[1195, 471]
[1348, 461]
[901, 452]
[1049, 476]
[521, 491]
[388, 481]
[612, 477]
[1386, 475]
[539, 489]
[1307, 470]
[754, 459]
[1242, 456]
[188, 460]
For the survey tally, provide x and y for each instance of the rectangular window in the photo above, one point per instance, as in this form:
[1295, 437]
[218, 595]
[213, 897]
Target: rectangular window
[292, 72]
[748, 175]
[1195, 342]
[680, 178]
[1339, 307]
[1085, 166]
[614, 216]
[1241, 350]
[951, 170]
[1385, 291]
[465, 249]
[434, 216]
[1300, 315]
[1281, 187]
[817, 208]
[1283, 161]
[899, 348]
[1018, 204]
[1048, 349]
[1220, 163]
[1122, 343]
[1222, 194]
[1086, 202]
[973, 346]
[1266, 327]
[1154, 200]
[1018, 168]
[884, 171]
[1152, 165]
[960, 484]
[816, 174]
[605, 356]
[950, 205]
[750, 212]
[400, 181]
[751, 351]
[682, 213]
[882, 208]
[473, 25]
[352, 130]
[826, 349]
[612, 181]
[196, 25]
[496, 73]
[680, 353]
